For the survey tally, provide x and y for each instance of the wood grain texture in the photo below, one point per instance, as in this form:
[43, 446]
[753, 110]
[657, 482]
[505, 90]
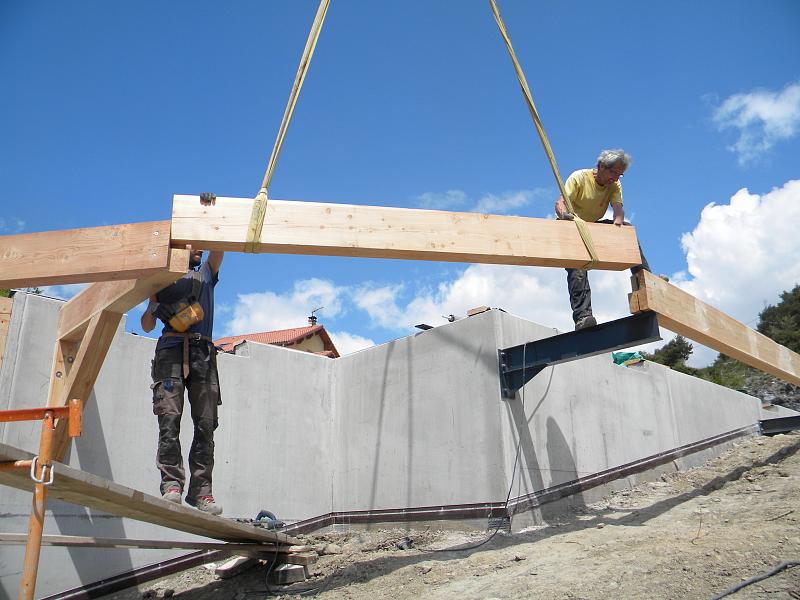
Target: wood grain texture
[380, 232]
[84, 255]
[684, 314]
[5, 322]
[117, 296]
[75, 541]
[78, 487]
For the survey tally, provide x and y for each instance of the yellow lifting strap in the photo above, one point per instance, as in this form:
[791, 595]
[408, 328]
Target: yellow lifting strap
[260, 204]
[586, 236]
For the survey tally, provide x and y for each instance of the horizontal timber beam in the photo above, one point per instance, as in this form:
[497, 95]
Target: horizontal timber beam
[117, 296]
[684, 314]
[385, 232]
[85, 255]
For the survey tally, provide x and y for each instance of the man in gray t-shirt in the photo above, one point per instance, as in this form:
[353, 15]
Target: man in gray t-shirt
[187, 360]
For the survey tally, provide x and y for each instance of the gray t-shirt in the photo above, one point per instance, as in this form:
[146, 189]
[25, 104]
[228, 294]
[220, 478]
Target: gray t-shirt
[181, 289]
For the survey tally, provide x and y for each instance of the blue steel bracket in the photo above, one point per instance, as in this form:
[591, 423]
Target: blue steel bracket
[519, 364]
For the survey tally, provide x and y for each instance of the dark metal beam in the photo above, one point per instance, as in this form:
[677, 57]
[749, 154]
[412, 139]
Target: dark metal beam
[520, 364]
[778, 425]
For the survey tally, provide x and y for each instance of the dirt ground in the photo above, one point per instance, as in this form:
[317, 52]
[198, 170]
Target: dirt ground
[694, 534]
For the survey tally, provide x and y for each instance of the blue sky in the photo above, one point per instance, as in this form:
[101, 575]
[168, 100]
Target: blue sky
[111, 108]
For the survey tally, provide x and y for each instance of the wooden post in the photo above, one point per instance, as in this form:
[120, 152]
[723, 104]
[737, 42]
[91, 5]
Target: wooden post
[30, 566]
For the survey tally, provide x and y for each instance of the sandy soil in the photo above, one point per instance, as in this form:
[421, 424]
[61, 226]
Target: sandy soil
[691, 535]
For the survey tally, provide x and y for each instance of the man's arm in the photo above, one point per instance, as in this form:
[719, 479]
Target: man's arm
[148, 321]
[619, 214]
[215, 260]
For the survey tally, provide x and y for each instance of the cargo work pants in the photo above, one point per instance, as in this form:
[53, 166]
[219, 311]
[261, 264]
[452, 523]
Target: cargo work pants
[204, 397]
[580, 294]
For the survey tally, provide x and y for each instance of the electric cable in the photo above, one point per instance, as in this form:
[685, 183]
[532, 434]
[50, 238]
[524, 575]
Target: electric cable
[781, 567]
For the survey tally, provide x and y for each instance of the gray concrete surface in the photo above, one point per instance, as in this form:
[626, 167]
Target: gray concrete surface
[415, 422]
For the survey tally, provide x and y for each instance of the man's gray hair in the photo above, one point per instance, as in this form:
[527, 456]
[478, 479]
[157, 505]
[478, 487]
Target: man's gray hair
[609, 158]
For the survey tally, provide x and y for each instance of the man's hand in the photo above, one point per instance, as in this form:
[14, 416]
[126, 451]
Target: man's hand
[208, 199]
[561, 210]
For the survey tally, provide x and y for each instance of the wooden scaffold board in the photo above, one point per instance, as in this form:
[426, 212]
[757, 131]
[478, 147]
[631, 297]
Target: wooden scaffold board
[78, 487]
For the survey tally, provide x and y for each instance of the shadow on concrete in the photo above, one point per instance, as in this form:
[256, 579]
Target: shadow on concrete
[71, 519]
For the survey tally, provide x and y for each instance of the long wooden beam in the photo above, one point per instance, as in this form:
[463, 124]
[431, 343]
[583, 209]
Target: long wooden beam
[82, 488]
[381, 232]
[75, 541]
[84, 255]
[118, 296]
[684, 314]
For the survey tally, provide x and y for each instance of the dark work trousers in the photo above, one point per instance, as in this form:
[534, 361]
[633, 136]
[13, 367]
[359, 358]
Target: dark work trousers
[204, 396]
[580, 294]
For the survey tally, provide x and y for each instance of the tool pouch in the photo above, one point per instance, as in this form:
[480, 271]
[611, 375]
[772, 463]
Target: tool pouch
[184, 313]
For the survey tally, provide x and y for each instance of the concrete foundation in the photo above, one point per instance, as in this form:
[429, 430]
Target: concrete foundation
[412, 423]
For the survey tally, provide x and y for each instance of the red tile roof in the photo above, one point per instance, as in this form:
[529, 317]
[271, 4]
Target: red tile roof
[282, 337]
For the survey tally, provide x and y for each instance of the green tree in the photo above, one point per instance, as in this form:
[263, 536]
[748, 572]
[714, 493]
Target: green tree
[673, 354]
[782, 321]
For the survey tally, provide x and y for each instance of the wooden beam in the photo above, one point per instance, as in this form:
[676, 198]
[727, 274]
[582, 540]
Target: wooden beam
[380, 232]
[84, 255]
[82, 488]
[684, 314]
[5, 322]
[84, 371]
[76, 541]
[117, 296]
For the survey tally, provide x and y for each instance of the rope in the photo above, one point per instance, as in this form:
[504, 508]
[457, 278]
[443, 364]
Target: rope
[260, 204]
[583, 229]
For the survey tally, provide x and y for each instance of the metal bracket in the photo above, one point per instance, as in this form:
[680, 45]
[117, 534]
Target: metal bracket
[519, 364]
[34, 462]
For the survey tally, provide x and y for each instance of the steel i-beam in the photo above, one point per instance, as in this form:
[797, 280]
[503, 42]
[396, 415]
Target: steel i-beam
[519, 364]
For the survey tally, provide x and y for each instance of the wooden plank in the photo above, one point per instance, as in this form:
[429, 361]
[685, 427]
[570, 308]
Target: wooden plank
[78, 487]
[84, 371]
[117, 296]
[114, 252]
[5, 322]
[684, 314]
[76, 541]
[380, 232]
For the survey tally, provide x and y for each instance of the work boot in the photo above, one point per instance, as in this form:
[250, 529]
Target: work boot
[172, 494]
[584, 322]
[206, 504]
[664, 277]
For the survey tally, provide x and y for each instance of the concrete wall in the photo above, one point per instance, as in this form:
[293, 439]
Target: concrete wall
[415, 422]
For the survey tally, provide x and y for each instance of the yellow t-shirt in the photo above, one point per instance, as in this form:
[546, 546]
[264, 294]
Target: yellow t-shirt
[590, 200]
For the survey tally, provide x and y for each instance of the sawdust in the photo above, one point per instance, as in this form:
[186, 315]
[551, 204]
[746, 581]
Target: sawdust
[691, 535]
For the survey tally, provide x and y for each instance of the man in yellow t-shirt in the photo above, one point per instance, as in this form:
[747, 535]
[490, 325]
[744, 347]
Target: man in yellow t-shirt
[591, 191]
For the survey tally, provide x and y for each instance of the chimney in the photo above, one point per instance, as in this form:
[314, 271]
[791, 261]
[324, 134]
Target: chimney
[312, 319]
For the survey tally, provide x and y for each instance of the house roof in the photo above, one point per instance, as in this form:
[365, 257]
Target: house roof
[282, 337]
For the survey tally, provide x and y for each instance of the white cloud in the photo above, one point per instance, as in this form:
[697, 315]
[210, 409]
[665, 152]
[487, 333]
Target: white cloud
[347, 343]
[268, 311]
[442, 200]
[380, 303]
[11, 226]
[488, 203]
[762, 118]
[743, 254]
[537, 294]
[506, 202]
